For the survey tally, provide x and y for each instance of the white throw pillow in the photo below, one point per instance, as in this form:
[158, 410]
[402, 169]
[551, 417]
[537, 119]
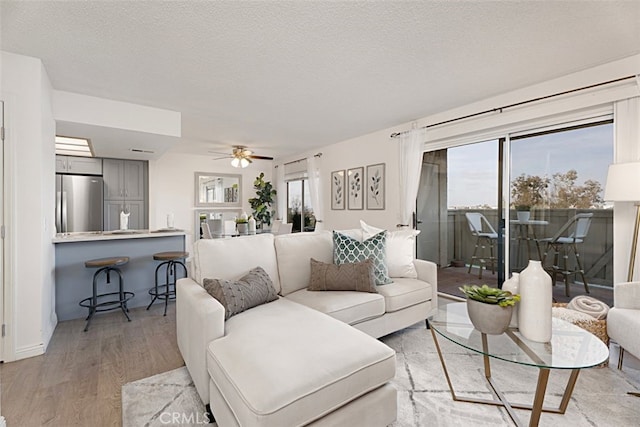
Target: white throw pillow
[400, 249]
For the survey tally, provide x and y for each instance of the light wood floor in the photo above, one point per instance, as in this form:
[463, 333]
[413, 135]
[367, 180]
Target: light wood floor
[78, 381]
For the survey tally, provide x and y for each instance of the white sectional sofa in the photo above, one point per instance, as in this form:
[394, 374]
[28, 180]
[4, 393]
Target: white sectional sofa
[303, 359]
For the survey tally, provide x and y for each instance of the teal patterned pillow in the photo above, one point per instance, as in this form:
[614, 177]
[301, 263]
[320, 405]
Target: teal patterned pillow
[348, 250]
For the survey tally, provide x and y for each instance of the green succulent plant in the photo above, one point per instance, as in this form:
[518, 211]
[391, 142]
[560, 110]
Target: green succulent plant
[490, 295]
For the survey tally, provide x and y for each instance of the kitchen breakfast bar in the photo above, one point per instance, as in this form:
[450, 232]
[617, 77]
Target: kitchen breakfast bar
[74, 280]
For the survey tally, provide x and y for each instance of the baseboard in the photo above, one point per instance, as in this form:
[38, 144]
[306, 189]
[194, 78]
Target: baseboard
[49, 333]
[31, 351]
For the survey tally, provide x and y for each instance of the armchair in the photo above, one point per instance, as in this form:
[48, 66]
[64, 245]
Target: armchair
[623, 320]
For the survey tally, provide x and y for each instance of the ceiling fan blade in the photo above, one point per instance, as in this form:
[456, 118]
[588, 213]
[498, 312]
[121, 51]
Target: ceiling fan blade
[261, 157]
[224, 157]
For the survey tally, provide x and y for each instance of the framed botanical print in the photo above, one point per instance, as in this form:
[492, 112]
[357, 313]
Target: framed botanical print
[375, 187]
[355, 188]
[337, 190]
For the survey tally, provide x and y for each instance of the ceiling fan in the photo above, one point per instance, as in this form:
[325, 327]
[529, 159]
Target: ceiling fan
[241, 157]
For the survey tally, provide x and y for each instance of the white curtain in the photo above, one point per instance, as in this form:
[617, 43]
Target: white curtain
[626, 119]
[315, 190]
[409, 163]
[281, 196]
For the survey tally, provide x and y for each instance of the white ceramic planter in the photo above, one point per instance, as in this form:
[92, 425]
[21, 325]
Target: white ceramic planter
[523, 216]
[489, 318]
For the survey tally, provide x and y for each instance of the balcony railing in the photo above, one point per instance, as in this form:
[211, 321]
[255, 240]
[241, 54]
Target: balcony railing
[596, 252]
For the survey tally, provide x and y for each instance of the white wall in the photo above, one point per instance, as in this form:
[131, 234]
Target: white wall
[30, 165]
[47, 149]
[364, 150]
[377, 147]
[172, 187]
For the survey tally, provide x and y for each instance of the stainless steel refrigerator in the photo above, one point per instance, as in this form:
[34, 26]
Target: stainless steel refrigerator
[79, 201]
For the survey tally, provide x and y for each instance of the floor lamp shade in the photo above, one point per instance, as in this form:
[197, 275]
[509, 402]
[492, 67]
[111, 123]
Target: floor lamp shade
[623, 185]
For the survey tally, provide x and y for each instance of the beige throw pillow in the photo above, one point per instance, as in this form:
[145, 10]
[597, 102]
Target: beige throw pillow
[358, 276]
[253, 289]
[401, 245]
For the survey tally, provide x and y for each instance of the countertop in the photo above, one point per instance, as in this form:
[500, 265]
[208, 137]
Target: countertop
[115, 235]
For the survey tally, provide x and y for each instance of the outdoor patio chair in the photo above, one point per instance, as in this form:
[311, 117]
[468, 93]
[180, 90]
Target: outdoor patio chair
[206, 231]
[486, 238]
[565, 242]
[275, 227]
[284, 229]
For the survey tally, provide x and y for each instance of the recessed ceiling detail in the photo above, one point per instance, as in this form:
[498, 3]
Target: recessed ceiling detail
[73, 146]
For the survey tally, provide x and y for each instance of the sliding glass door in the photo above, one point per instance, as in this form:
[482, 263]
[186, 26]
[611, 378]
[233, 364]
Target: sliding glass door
[485, 209]
[458, 215]
[558, 216]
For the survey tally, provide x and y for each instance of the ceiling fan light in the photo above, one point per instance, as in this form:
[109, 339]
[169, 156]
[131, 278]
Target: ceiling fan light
[244, 162]
[235, 162]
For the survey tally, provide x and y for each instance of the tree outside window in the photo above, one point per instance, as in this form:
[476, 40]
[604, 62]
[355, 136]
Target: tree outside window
[560, 192]
[299, 210]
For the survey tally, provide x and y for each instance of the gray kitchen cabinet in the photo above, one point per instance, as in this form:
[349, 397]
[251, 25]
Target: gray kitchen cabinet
[113, 175]
[125, 187]
[137, 214]
[78, 165]
[134, 180]
[124, 179]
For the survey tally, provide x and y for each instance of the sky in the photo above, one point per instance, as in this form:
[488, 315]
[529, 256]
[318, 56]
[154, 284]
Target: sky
[473, 169]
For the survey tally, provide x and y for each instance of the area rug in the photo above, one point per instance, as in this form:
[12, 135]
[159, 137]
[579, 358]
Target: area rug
[600, 397]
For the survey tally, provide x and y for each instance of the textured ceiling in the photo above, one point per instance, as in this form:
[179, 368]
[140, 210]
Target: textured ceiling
[283, 77]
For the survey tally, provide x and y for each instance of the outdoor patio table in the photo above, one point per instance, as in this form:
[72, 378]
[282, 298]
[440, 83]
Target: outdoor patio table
[525, 234]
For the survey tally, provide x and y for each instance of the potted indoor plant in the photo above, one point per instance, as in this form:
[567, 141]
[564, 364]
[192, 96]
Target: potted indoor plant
[489, 309]
[261, 204]
[242, 224]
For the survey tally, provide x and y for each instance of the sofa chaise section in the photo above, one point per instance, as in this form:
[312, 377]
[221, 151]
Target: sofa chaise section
[285, 364]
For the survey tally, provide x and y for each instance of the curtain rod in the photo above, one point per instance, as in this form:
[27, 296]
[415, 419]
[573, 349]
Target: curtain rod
[517, 104]
[303, 159]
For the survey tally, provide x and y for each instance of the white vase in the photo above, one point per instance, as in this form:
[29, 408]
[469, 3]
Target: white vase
[534, 312]
[513, 285]
[523, 216]
[252, 225]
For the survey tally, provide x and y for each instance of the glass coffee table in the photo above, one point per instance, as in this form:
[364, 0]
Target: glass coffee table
[570, 348]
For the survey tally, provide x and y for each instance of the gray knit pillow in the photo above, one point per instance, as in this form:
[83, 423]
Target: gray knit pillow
[357, 276]
[251, 290]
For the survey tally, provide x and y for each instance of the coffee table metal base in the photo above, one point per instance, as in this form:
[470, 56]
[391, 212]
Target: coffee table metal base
[536, 408]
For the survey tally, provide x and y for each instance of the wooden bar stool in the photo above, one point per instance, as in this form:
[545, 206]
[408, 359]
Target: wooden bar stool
[107, 301]
[164, 290]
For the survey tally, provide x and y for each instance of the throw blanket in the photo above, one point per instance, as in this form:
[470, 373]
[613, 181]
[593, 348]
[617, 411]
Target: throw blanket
[590, 306]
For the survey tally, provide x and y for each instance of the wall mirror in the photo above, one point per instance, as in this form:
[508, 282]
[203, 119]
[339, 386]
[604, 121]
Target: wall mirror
[218, 189]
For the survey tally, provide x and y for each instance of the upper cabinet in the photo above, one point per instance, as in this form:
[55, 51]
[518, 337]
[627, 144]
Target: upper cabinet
[124, 179]
[78, 165]
[125, 190]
